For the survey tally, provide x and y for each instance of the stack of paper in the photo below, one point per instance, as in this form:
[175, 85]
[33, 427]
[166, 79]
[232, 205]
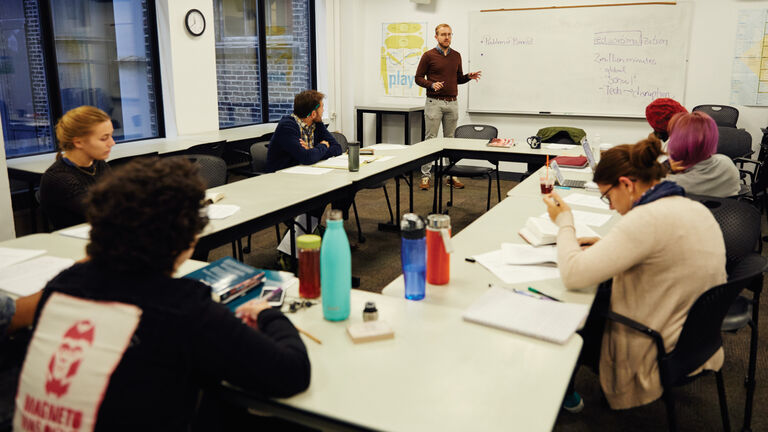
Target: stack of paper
[222, 211]
[542, 319]
[541, 231]
[523, 254]
[342, 162]
[28, 277]
[496, 263]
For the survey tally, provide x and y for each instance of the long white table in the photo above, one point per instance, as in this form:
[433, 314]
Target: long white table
[439, 373]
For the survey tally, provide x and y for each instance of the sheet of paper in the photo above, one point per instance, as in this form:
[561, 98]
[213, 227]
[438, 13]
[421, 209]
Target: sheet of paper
[586, 217]
[309, 170]
[11, 256]
[28, 277]
[384, 158]
[543, 319]
[513, 274]
[388, 146]
[222, 211]
[585, 200]
[524, 254]
[585, 170]
[83, 232]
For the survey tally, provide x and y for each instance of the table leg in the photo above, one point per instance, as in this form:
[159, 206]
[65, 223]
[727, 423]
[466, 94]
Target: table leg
[378, 127]
[423, 125]
[410, 196]
[360, 127]
[393, 225]
[407, 128]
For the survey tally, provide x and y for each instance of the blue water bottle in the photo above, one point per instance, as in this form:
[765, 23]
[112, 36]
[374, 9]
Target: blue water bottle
[335, 269]
[413, 253]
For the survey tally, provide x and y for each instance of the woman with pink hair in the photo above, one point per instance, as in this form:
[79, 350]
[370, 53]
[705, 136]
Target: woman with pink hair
[694, 163]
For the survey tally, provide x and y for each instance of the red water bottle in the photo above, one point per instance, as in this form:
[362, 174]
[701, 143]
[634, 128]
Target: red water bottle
[438, 249]
[309, 265]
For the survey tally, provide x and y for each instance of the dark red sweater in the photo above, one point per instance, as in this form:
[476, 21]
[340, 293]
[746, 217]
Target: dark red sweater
[435, 67]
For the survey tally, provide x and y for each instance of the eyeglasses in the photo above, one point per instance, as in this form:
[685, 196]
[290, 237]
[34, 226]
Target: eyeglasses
[299, 304]
[605, 198]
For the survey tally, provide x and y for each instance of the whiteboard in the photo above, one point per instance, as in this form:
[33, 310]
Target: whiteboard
[595, 61]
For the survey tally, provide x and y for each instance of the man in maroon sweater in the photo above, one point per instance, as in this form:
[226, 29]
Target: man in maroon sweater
[440, 72]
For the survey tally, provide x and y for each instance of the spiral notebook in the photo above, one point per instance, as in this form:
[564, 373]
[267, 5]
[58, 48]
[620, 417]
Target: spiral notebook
[542, 319]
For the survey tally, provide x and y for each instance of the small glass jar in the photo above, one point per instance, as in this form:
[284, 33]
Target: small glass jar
[309, 265]
[370, 313]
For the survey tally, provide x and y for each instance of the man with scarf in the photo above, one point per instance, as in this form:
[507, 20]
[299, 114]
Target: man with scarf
[301, 138]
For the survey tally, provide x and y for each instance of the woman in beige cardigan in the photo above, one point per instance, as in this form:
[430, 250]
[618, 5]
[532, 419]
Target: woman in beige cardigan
[664, 252]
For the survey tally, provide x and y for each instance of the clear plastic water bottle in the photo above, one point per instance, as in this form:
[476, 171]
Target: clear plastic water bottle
[413, 254]
[595, 144]
[335, 269]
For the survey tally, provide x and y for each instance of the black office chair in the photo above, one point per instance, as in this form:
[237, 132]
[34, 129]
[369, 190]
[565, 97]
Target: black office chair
[753, 174]
[215, 148]
[476, 131]
[740, 225]
[342, 140]
[258, 161]
[723, 115]
[734, 143]
[699, 340]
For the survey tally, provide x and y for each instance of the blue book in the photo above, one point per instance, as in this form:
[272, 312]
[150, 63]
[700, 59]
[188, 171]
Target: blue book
[230, 279]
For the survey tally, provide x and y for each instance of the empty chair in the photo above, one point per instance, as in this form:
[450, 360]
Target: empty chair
[215, 148]
[734, 143]
[699, 340]
[476, 131]
[723, 115]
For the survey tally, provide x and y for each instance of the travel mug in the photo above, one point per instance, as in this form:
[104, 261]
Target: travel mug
[413, 253]
[439, 248]
[354, 156]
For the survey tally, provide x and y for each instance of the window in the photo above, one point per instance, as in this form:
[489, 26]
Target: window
[97, 52]
[285, 44]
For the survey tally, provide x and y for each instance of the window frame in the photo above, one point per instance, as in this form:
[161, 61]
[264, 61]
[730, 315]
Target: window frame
[261, 41]
[50, 64]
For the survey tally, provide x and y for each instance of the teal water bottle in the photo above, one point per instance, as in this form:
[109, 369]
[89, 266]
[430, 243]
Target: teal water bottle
[335, 269]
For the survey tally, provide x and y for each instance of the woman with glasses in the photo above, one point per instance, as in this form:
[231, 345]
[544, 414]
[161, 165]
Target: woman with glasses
[661, 255]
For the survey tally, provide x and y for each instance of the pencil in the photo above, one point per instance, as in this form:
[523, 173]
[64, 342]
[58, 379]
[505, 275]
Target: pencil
[533, 290]
[309, 335]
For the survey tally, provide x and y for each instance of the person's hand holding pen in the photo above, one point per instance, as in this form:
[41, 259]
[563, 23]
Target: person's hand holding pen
[475, 75]
[555, 205]
[436, 86]
[249, 312]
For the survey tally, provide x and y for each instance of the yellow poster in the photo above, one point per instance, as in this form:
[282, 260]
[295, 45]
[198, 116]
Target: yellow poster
[402, 45]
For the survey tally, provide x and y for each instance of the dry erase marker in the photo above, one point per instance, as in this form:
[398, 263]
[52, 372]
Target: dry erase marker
[469, 259]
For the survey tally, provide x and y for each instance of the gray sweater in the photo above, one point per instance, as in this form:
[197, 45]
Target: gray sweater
[716, 176]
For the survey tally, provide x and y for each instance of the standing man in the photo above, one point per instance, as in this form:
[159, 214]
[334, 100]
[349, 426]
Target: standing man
[440, 72]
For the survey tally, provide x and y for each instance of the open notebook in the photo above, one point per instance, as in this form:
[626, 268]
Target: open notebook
[543, 319]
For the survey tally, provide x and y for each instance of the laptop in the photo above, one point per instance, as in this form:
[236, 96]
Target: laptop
[575, 183]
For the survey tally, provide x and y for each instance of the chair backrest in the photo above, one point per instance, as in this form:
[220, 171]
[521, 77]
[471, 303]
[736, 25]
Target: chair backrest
[734, 142]
[215, 148]
[114, 163]
[700, 337]
[212, 169]
[739, 223]
[342, 140]
[723, 115]
[259, 156]
[477, 131]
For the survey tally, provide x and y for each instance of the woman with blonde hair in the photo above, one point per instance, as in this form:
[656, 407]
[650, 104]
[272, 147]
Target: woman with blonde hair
[84, 135]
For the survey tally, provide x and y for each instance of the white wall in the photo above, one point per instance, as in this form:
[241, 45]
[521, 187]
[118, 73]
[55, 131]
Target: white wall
[188, 69]
[708, 78]
[7, 229]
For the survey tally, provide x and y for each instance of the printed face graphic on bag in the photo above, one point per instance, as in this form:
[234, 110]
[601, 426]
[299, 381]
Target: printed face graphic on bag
[65, 361]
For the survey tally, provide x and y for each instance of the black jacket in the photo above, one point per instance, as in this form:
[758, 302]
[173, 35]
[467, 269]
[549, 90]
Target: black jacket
[285, 150]
[184, 340]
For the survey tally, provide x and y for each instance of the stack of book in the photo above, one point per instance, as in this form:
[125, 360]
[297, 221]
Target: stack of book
[230, 279]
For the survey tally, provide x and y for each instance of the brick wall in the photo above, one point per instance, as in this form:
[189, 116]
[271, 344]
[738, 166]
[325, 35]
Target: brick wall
[288, 72]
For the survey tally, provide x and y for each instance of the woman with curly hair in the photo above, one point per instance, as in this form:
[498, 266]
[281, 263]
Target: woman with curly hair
[145, 219]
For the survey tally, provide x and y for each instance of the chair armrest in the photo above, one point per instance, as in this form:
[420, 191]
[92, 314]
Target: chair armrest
[743, 160]
[744, 173]
[629, 322]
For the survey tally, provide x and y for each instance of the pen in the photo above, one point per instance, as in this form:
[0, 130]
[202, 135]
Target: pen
[305, 333]
[469, 259]
[533, 290]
